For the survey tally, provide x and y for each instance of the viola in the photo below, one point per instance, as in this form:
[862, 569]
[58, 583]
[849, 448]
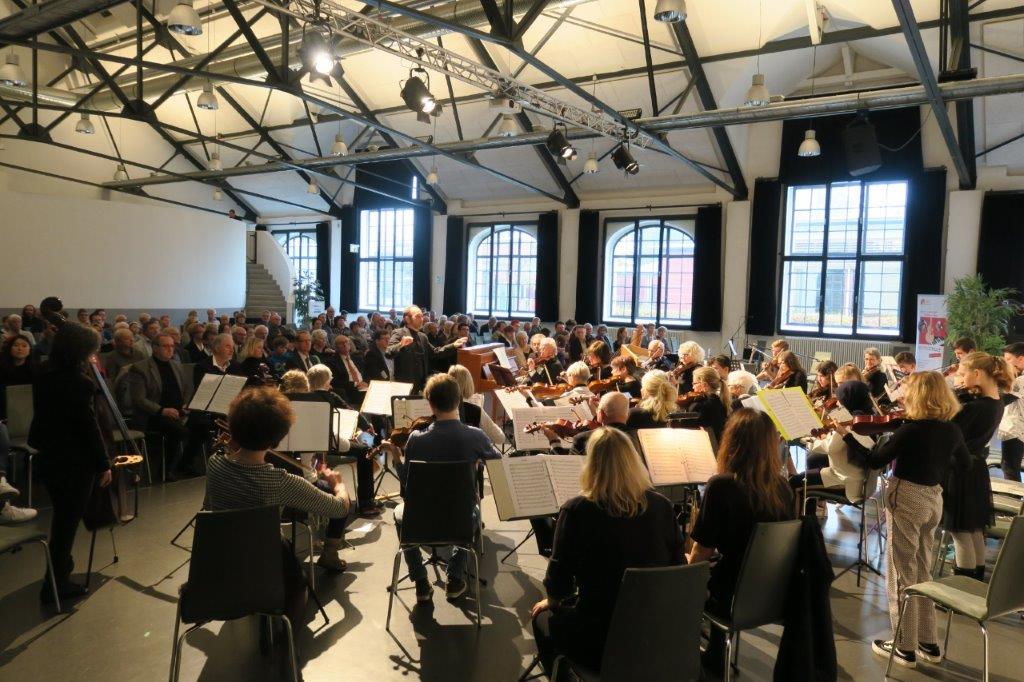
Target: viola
[780, 379]
[868, 425]
[681, 368]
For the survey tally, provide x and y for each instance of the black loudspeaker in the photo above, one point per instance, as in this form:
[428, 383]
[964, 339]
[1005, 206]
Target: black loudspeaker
[861, 145]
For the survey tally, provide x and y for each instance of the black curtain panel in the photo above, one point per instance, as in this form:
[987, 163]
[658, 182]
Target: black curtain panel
[926, 205]
[765, 221]
[423, 228]
[707, 270]
[392, 177]
[323, 260]
[547, 266]
[1001, 246]
[349, 298]
[896, 131]
[455, 266]
[588, 270]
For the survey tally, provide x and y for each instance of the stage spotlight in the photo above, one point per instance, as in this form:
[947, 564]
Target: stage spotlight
[624, 160]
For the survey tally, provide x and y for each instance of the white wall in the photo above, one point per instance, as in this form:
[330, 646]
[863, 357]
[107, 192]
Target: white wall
[121, 256]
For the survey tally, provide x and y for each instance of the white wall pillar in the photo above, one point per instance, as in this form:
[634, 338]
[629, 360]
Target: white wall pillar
[568, 253]
[964, 226]
[439, 239]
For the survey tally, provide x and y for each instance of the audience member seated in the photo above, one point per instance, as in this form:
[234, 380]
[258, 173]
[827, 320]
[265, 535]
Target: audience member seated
[617, 522]
[252, 362]
[259, 419]
[378, 365]
[447, 439]
[16, 367]
[302, 357]
[159, 393]
[9, 514]
[657, 402]
[12, 328]
[196, 347]
[279, 355]
[747, 490]
[31, 321]
[220, 362]
[148, 331]
[238, 334]
[318, 344]
[319, 377]
[348, 380]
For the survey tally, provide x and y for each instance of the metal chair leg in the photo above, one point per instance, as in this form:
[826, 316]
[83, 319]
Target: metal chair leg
[526, 673]
[394, 588]
[984, 638]
[29, 481]
[949, 626]
[728, 656]
[291, 648]
[174, 642]
[312, 566]
[896, 635]
[145, 454]
[49, 572]
[479, 604]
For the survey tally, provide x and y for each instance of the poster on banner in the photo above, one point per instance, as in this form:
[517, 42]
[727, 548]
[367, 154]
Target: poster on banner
[316, 307]
[932, 331]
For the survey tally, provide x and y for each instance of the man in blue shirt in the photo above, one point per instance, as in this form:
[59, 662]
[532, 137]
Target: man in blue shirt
[446, 440]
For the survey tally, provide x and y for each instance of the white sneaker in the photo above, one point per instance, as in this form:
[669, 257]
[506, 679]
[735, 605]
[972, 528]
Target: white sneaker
[7, 491]
[11, 514]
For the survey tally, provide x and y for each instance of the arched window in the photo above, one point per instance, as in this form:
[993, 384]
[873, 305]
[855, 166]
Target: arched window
[300, 246]
[649, 272]
[502, 270]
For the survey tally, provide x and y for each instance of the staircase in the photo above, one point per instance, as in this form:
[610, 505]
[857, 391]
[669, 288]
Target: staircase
[262, 292]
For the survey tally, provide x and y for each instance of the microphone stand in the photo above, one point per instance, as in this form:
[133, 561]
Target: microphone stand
[730, 344]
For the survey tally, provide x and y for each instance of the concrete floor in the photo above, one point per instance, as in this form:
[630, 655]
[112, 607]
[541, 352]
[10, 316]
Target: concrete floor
[123, 630]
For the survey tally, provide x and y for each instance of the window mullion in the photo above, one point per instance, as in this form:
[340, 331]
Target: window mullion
[823, 278]
[636, 270]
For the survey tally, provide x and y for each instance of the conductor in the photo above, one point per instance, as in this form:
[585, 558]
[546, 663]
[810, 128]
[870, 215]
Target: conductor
[412, 351]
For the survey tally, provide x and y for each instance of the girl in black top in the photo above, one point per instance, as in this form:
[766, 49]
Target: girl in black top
[623, 369]
[873, 374]
[617, 522]
[920, 452]
[16, 367]
[825, 386]
[967, 494]
[791, 373]
[599, 358]
[657, 402]
[746, 491]
[711, 409]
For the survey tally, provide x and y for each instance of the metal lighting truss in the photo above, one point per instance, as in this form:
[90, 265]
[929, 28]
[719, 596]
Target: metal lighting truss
[342, 21]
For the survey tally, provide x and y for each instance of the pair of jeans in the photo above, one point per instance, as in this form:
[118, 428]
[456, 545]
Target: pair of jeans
[455, 557]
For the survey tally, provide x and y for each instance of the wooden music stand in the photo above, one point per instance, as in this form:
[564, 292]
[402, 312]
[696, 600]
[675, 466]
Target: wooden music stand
[474, 358]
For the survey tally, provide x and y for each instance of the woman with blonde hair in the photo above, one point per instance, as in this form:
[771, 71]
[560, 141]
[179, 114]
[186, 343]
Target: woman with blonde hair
[472, 409]
[967, 494]
[921, 451]
[294, 381]
[521, 348]
[712, 406]
[691, 355]
[617, 522]
[747, 490]
[657, 402]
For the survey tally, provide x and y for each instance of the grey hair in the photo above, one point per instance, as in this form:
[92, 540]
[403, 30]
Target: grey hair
[319, 376]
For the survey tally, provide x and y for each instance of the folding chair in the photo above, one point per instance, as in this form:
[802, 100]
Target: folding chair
[19, 420]
[13, 538]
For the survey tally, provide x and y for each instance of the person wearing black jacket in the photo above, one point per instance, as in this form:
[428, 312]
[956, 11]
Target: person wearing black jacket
[377, 366]
[221, 362]
[72, 452]
[545, 368]
[578, 342]
[412, 351]
[710, 410]
[874, 376]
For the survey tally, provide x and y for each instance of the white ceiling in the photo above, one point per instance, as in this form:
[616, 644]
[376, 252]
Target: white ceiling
[575, 50]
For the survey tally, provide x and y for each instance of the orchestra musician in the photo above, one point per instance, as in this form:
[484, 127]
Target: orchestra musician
[625, 371]
[599, 358]
[412, 351]
[770, 368]
[741, 384]
[906, 362]
[657, 401]
[723, 365]
[577, 375]
[656, 358]
[712, 406]
[874, 376]
[967, 493]
[825, 383]
[962, 347]
[790, 372]
[691, 355]
[922, 450]
[578, 342]
[545, 367]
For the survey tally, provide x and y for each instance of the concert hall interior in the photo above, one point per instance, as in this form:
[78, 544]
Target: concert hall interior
[511, 339]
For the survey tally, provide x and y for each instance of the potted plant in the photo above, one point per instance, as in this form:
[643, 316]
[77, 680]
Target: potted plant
[981, 313]
[307, 289]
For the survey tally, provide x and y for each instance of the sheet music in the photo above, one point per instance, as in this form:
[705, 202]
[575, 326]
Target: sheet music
[204, 392]
[378, 396]
[582, 410]
[841, 414]
[230, 387]
[530, 484]
[793, 414]
[513, 400]
[523, 417]
[677, 456]
[753, 402]
[565, 476]
[345, 424]
[311, 430]
[405, 412]
[502, 356]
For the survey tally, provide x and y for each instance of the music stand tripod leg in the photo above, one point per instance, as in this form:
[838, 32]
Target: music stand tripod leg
[514, 549]
[191, 524]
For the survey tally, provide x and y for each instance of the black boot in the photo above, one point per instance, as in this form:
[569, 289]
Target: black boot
[979, 573]
[969, 572]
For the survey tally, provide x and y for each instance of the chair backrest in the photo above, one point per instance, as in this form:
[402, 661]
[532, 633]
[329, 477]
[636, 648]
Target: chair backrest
[764, 577]
[236, 567]
[655, 628]
[19, 410]
[439, 501]
[1006, 589]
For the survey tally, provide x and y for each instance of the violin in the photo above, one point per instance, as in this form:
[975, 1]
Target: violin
[400, 436]
[563, 428]
[780, 379]
[549, 391]
[223, 443]
[681, 368]
[579, 399]
[869, 425]
[598, 386]
[687, 399]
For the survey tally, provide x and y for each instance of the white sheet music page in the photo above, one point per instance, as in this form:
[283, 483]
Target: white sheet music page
[753, 402]
[230, 387]
[311, 430]
[378, 396]
[345, 423]
[530, 485]
[564, 471]
[499, 352]
[805, 418]
[408, 411]
[510, 400]
[663, 456]
[523, 417]
[204, 392]
[698, 455]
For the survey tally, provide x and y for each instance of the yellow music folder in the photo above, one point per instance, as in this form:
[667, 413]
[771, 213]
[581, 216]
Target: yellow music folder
[789, 409]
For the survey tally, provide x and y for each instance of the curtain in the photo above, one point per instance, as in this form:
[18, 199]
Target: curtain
[349, 298]
[1001, 246]
[707, 270]
[547, 266]
[588, 270]
[455, 258]
[926, 205]
[423, 228]
[762, 292]
[323, 258]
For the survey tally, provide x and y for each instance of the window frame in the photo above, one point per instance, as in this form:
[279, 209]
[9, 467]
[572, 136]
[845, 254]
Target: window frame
[490, 228]
[859, 258]
[294, 260]
[687, 224]
[378, 260]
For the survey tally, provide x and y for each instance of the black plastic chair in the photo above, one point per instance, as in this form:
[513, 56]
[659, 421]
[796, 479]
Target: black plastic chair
[762, 586]
[439, 501]
[236, 571]
[655, 629]
[13, 538]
